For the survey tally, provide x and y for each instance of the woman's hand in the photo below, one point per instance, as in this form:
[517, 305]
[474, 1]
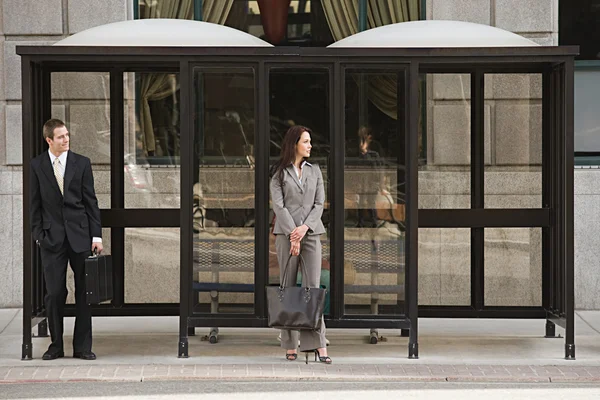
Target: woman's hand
[298, 233]
[295, 248]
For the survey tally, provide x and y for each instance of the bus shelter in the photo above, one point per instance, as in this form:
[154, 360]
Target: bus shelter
[382, 110]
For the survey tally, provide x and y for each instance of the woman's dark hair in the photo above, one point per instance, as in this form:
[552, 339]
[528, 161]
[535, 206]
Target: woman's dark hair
[288, 150]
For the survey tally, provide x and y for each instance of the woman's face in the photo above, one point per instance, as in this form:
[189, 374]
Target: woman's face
[303, 146]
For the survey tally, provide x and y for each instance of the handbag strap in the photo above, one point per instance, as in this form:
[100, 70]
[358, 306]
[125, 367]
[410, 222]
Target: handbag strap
[287, 264]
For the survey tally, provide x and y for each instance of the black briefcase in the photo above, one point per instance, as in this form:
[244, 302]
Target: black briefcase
[98, 279]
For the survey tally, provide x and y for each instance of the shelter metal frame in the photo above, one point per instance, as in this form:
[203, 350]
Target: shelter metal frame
[555, 217]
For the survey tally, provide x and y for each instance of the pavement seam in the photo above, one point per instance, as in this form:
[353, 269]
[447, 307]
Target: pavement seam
[587, 323]
[10, 322]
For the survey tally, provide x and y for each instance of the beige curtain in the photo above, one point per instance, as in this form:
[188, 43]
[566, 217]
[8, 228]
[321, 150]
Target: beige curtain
[159, 86]
[342, 17]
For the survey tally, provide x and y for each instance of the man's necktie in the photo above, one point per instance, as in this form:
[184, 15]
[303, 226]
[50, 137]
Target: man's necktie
[58, 175]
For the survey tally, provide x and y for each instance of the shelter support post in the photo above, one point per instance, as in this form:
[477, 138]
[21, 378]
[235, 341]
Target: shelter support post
[187, 163]
[28, 245]
[412, 228]
[567, 204]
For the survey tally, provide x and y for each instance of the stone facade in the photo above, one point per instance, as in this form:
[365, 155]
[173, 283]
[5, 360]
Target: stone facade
[512, 175]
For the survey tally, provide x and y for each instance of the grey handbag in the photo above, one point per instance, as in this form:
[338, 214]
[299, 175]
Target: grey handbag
[297, 308]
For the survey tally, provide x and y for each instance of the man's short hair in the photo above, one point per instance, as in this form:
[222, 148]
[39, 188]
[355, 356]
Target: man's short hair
[50, 126]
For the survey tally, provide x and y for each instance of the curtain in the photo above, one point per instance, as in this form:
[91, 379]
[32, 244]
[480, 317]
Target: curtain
[342, 17]
[159, 86]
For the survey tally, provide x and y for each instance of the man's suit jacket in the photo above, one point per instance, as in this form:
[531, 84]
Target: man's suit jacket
[75, 216]
[298, 203]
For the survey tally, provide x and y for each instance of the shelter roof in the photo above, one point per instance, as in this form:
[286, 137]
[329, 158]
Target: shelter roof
[435, 33]
[163, 33]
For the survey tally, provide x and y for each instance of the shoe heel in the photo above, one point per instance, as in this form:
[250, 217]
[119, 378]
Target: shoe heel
[306, 353]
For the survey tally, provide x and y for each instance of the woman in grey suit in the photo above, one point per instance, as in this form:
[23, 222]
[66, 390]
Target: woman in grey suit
[297, 195]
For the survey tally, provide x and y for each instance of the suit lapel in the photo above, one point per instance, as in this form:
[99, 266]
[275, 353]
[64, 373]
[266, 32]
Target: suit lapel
[293, 175]
[49, 172]
[306, 171]
[70, 171]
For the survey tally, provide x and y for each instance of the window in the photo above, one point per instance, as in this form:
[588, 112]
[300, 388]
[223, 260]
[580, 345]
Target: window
[579, 24]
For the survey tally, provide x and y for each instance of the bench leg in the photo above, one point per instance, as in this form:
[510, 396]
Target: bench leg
[550, 330]
[374, 336]
[213, 336]
[183, 348]
[191, 331]
[43, 328]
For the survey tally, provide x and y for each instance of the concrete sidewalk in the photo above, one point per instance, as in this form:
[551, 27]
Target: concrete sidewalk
[145, 348]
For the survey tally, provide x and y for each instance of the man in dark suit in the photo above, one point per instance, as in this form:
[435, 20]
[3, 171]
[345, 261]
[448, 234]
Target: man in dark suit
[65, 223]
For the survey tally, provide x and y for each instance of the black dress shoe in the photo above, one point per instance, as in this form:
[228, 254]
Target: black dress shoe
[53, 355]
[84, 355]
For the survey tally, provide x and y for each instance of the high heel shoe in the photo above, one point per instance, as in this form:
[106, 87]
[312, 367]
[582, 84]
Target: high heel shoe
[291, 356]
[326, 359]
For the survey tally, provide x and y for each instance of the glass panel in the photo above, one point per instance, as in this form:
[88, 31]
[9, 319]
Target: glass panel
[224, 189]
[151, 142]
[305, 22]
[166, 9]
[587, 118]
[82, 101]
[106, 242]
[513, 267]
[513, 173]
[374, 194]
[445, 266]
[309, 106]
[152, 265]
[445, 178]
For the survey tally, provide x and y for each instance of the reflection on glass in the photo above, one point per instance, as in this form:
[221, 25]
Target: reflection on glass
[374, 195]
[445, 180]
[513, 176]
[152, 140]
[513, 267]
[82, 101]
[224, 190]
[308, 105]
[152, 265]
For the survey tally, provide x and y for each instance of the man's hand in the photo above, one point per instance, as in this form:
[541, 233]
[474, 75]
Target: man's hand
[295, 248]
[98, 247]
[298, 233]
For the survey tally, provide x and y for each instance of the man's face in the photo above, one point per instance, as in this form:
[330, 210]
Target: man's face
[60, 143]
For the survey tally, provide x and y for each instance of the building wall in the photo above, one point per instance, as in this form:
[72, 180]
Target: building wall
[81, 99]
[32, 22]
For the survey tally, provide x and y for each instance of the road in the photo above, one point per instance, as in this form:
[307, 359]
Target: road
[314, 390]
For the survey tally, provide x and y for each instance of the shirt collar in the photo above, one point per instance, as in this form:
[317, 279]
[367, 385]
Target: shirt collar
[62, 157]
[301, 165]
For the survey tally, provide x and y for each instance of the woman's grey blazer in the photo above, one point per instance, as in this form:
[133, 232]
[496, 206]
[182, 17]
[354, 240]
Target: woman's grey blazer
[298, 203]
